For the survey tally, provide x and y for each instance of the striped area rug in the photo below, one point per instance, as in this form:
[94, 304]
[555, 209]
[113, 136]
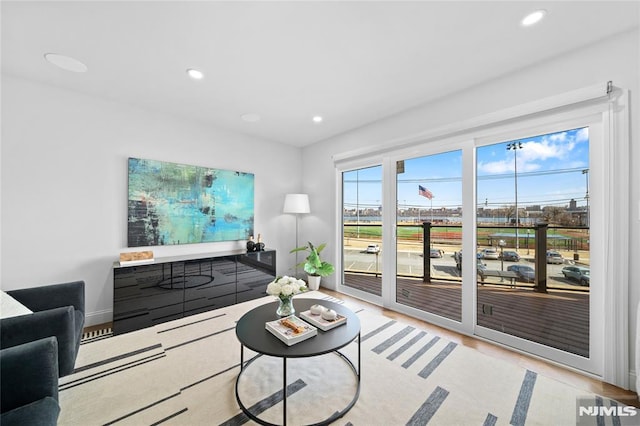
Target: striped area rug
[184, 373]
[91, 336]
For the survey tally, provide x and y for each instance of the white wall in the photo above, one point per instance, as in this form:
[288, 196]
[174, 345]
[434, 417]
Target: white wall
[615, 59]
[64, 185]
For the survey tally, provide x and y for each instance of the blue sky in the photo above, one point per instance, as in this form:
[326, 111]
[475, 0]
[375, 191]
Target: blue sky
[549, 173]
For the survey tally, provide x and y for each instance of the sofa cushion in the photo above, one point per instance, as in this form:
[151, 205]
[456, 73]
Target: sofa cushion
[42, 412]
[28, 373]
[10, 307]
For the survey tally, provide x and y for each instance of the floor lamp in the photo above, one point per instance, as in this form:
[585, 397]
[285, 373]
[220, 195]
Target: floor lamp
[296, 204]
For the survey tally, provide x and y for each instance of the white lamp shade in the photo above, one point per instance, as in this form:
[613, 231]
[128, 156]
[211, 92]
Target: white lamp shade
[296, 203]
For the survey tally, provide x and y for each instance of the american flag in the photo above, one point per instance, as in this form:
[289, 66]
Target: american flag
[424, 192]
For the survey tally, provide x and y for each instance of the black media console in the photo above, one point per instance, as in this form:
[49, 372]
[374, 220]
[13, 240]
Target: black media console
[179, 286]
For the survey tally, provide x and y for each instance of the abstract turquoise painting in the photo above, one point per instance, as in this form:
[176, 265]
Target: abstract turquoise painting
[180, 204]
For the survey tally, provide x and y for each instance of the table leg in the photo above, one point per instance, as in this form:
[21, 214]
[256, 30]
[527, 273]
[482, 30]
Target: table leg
[359, 367]
[284, 391]
[241, 357]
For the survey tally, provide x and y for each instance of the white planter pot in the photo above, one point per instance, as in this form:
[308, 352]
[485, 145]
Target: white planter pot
[313, 282]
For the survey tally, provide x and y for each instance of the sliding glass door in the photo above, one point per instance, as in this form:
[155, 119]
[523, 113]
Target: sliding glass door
[362, 248]
[533, 239]
[491, 238]
[429, 233]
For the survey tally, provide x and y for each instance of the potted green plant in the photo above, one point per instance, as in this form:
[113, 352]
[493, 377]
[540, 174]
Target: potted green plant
[315, 267]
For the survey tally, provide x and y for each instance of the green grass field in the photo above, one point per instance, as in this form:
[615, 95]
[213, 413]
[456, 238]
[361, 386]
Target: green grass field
[454, 233]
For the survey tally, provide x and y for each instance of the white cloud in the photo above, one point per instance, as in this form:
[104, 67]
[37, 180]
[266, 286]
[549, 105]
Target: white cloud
[558, 146]
[496, 167]
[582, 135]
[549, 147]
[557, 137]
[528, 166]
[507, 166]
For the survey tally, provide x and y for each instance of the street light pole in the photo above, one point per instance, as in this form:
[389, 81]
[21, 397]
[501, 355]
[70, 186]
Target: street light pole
[515, 146]
[585, 172]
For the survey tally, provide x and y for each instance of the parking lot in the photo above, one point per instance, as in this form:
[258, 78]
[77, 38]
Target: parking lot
[410, 263]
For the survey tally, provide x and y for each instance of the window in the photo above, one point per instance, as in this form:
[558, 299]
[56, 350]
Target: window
[527, 287]
[544, 189]
[362, 229]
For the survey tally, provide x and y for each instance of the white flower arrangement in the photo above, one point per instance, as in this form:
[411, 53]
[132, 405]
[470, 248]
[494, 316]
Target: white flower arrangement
[284, 287]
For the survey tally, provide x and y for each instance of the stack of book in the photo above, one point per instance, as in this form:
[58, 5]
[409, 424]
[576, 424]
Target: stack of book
[136, 258]
[291, 330]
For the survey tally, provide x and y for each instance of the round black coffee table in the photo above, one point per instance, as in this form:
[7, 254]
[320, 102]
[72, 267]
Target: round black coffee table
[252, 334]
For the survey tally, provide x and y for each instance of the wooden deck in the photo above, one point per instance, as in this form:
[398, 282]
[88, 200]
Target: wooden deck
[559, 319]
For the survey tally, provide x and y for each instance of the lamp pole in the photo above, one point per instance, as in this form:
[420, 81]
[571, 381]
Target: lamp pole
[296, 204]
[515, 146]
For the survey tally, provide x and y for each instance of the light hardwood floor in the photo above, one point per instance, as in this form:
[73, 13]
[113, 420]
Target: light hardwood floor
[545, 368]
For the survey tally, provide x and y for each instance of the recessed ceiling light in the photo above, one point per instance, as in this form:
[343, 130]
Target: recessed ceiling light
[533, 18]
[317, 119]
[250, 117]
[67, 63]
[195, 74]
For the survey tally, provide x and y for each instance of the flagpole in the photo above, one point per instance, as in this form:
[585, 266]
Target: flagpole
[431, 199]
[427, 194]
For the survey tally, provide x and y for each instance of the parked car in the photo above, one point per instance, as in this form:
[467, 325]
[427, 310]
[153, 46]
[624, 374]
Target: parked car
[577, 273]
[435, 253]
[554, 257]
[373, 248]
[525, 273]
[490, 253]
[510, 256]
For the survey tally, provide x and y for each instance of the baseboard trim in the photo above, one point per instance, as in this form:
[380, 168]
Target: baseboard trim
[99, 317]
[632, 381]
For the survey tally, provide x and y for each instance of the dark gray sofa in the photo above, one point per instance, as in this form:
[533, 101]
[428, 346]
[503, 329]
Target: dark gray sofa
[29, 385]
[58, 310]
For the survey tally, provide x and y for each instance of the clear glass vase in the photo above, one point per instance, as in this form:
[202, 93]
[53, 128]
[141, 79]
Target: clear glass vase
[285, 307]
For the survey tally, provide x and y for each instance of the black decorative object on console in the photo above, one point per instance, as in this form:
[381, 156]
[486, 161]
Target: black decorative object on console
[255, 246]
[259, 244]
[251, 245]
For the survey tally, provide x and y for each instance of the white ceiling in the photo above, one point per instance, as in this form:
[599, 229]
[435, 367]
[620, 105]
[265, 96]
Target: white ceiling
[351, 62]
